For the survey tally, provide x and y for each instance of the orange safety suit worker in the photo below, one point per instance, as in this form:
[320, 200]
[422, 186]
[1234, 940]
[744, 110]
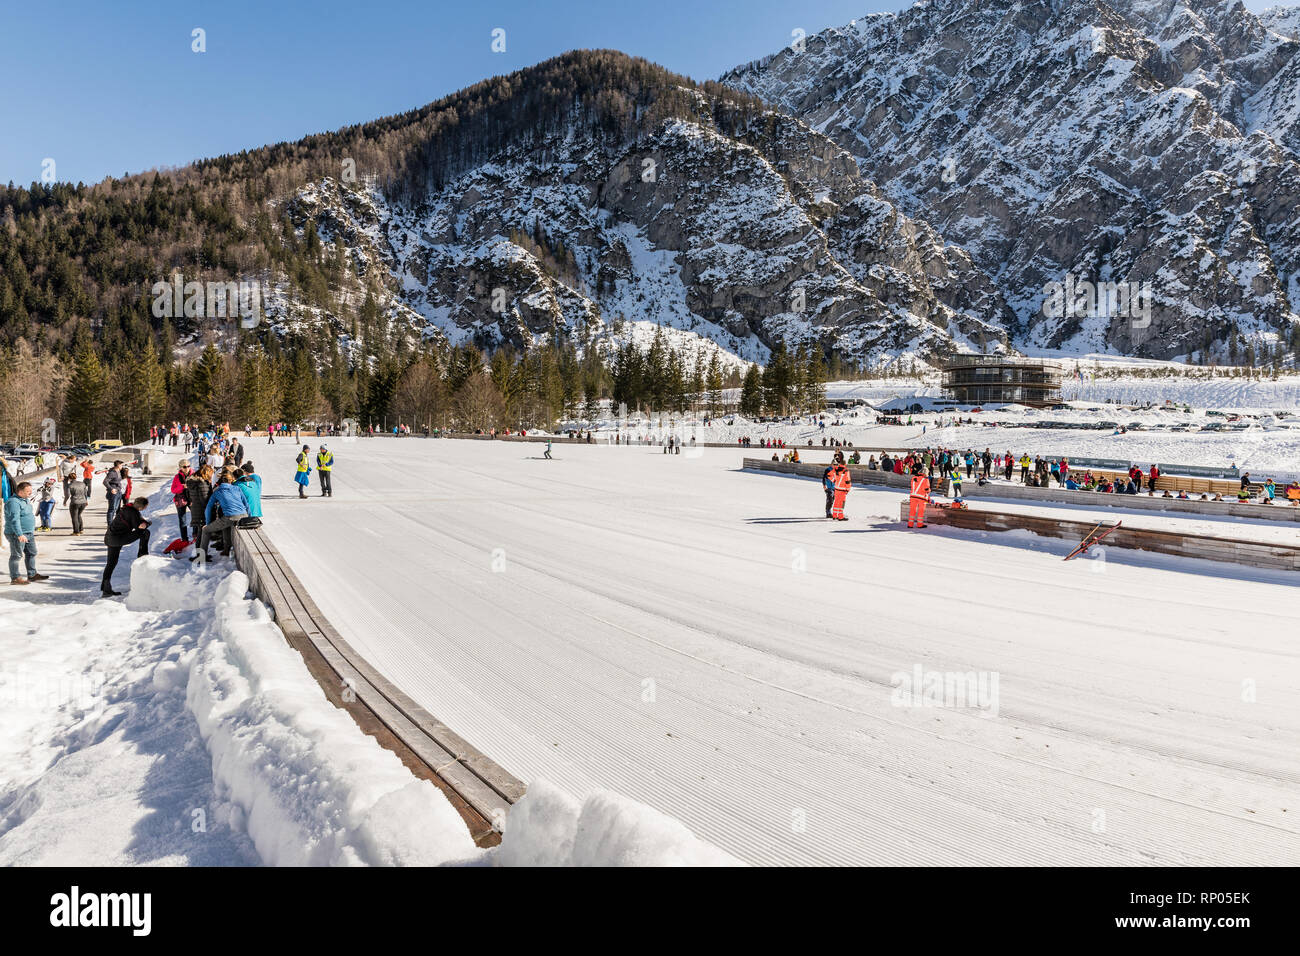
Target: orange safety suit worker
[842, 482]
[920, 495]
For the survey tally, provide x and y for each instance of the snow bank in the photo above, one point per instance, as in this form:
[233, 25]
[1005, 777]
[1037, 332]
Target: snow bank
[167, 584]
[549, 828]
[311, 789]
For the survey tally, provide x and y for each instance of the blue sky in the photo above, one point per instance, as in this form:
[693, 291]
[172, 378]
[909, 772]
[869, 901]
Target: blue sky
[104, 88]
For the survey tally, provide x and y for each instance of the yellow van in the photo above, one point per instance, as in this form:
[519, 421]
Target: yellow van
[104, 444]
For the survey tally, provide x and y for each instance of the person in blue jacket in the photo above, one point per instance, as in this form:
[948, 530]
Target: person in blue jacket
[20, 534]
[251, 485]
[230, 499]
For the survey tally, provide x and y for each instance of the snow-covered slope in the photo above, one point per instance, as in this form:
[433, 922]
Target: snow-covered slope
[1147, 141]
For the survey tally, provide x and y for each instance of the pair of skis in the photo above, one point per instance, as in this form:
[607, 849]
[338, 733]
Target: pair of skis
[1091, 538]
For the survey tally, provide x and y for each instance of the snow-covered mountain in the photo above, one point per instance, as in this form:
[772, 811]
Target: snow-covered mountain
[1136, 141]
[730, 224]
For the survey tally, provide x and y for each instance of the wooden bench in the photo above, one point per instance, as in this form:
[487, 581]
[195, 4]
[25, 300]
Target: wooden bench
[479, 789]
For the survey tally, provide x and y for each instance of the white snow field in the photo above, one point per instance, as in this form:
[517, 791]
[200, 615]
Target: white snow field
[178, 727]
[702, 640]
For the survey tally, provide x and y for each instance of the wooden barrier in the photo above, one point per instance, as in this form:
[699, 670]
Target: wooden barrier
[479, 789]
[861, 474]
[1280, 511]
[1258, 554]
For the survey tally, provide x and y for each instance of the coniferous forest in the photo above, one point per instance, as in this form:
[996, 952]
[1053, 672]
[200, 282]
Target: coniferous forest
[82, 346]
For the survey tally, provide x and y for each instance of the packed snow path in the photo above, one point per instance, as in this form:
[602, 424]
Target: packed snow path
[702, 640]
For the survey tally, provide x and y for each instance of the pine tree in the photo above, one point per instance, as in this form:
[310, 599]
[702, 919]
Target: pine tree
[259, 393]
[654, 372]
[146, 390]
[87, 394]
[777, 381]
[751, 393]
[815, 381]
[300, 390]
[715, 384]
[203, 383]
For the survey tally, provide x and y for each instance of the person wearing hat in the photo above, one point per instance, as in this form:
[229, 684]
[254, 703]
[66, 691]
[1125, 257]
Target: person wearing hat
[46, 506]
[325, 462]
[302, 477]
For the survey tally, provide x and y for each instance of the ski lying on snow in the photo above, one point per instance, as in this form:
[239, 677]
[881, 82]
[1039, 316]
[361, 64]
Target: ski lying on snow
[1092, 538]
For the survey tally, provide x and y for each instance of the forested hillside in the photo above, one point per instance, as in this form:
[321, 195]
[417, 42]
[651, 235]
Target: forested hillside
[78, 264]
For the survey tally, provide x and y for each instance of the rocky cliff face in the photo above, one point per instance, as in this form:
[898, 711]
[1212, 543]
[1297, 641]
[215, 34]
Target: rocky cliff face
[733, 242]
[1144, 145]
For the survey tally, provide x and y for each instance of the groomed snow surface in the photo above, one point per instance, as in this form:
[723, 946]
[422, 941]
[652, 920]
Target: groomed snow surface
[178, 727]
[795, 690]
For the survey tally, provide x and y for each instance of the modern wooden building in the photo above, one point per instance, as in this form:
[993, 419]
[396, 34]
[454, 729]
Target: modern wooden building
[977, 379]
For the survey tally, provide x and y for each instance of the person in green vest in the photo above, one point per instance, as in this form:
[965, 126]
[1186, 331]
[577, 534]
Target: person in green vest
[324, 463]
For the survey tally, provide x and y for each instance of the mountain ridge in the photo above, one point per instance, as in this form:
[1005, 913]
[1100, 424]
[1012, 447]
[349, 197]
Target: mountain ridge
[1053, 138]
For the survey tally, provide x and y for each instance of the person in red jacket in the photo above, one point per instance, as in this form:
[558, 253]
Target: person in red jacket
[842, 481]
[919, 496]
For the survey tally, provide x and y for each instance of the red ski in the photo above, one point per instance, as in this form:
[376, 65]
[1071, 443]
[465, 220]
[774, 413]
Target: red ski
[1092, 538]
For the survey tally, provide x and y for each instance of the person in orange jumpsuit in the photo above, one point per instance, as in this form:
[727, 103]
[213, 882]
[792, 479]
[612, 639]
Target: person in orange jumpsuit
[842, 481]
[920, 495]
